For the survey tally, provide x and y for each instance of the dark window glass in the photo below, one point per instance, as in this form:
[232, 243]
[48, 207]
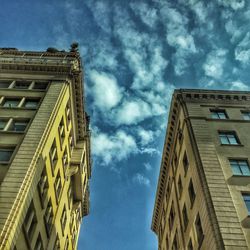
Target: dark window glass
[228, 138]
[171, 217]
[66, 247]
[199, 231]
[63, 218]
[191, 192]
[185, 163]
[53, 155]
[22, 85]
[30, 222]
[70, 195]
[246, 198]
[48, 217]
[40, 85]
[175, 242]
[190, 245]
[246, 115]
[219, 114]
[4, 84]
[58, 185]
[29, 103]
[43, 186]
[180, 187]
[39, 243]
[5, 154]
[57, 243]
[11, 102]
[19, 126]
[2, 124]
[185, 217]
[240, 167]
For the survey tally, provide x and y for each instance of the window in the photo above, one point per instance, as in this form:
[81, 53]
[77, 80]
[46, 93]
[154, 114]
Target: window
[5, 154]
[22, 85]
[191, 193]
[30, 222]
[53, 155]
[48, 217]
[57, 243]
[61, 131]
[240, 167]
[4, 84]
[219, 114]
[190, 245]
[228, 138]
[175, 245]
[185, 163]
[43, 186]
[63, 219]
[71, 142]
[2, 124]
[180, 187]
[74, 237]
[39, 243]
[65, 159]
[246, 115]
[199, 231]
[246, 198]
[171, 217]
[31, 103]
[18, 126]
[66, 247]
[68, 113]
[11, 102]
[70, 195]
[40, 85]
[185, 217]
[58, 185]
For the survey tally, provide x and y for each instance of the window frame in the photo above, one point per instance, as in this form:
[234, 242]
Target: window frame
[244, 113]
[225, 134]
[246, 201]
[218, 112]
[192, 195]
[7, 148]
[237, 160]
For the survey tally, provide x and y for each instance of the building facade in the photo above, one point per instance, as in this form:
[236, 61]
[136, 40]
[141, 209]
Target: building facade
[203, 194]
[45, 163]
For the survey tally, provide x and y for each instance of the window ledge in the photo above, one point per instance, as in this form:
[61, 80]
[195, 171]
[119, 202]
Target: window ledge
[239, 180]
[231, 145]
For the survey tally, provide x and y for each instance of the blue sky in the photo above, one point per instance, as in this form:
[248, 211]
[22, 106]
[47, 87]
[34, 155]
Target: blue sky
[135, 54]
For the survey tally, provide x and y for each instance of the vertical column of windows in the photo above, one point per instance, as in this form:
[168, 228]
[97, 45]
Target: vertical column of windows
[30, 223]
[43, 186]
[48, 218]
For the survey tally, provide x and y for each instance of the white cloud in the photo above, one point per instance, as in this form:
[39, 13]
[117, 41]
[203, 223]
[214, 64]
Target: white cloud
[178, 36]
[146, 136]
[101, 13]
[234, 4]
[141, 179]
[113, 148]
[242, 51]
[133, 112]
[238, 85]
[148, 15]
[148, 166]
[106, 92]
[213, 66]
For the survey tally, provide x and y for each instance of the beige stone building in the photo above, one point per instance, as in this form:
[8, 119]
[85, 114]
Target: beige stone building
[45, 161]
[203, 194]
